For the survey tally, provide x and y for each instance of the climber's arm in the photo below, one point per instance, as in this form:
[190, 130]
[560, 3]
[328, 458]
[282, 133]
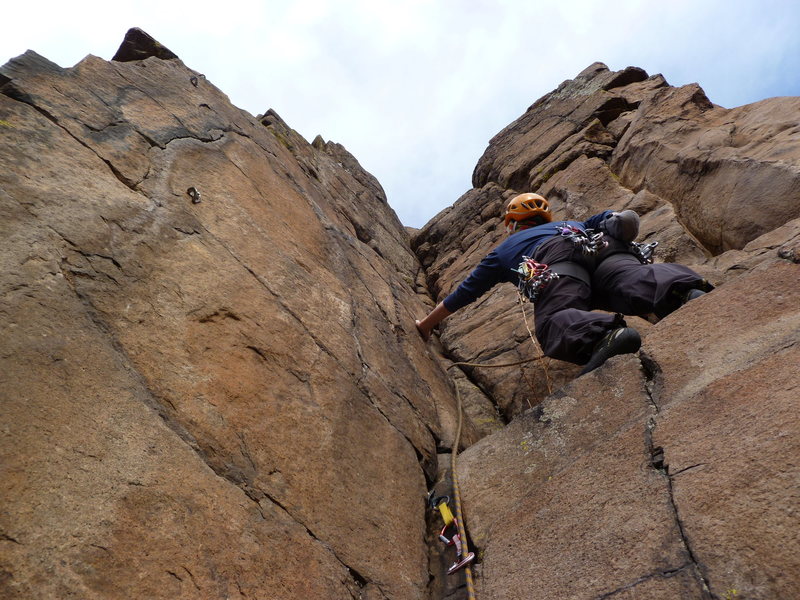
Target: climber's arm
[482, 278]
[436, 316]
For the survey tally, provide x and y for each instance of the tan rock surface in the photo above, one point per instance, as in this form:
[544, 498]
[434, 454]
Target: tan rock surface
[513, 157]
[102, 499]
[676, 479]
[730, 430]
[672, 480]
[571, 507]
[553, 149]
[212, 385]
[732, 175]
[207, 397]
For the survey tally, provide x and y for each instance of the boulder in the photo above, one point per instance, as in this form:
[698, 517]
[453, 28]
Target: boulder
[138, 45]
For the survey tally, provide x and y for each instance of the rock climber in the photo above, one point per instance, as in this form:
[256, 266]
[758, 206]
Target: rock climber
[595, 271]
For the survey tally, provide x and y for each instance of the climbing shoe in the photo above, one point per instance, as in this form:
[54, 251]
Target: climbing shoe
[624, 340]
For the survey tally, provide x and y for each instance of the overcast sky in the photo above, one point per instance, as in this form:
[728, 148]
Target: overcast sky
[415, 89]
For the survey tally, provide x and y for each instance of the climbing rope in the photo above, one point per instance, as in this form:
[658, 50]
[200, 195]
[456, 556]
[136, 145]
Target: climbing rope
[497, 366]
[457, 440]
[535, 345]
[462, 533]
[457, 497]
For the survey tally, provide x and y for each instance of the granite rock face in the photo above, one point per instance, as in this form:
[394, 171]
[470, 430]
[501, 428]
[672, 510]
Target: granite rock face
[617, 140]
[212, 383]
[671, 473]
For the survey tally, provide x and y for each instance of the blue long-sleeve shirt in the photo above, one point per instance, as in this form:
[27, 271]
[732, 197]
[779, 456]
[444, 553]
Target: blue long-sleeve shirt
[500, 264]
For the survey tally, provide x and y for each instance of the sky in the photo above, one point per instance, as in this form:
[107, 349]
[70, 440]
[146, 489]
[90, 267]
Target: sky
[416, 89]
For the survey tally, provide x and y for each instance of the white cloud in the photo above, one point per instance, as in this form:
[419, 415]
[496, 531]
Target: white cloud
[416, 89]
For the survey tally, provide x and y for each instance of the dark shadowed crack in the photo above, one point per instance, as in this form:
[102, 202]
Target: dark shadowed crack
[191, 577]
[459, 593]
[102, 129]
[90, 255]
[653, 388]
[689, 468]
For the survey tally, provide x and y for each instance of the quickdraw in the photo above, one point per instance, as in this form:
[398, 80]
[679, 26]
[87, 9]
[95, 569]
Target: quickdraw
[533, 277]
[450, 522]
[589, 242]
[644, 252]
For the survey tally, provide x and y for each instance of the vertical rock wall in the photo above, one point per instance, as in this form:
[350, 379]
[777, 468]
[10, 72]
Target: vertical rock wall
[211, 382]
[671, 473]
[212, 386]
[615, 140]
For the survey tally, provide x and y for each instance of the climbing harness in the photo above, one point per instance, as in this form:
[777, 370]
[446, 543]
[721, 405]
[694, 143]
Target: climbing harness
[463, 558]
[533, 277]
[588, 241]
[644, 252]
[566, 267]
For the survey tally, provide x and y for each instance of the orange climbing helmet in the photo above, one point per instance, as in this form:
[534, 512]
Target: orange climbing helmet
[524, 207]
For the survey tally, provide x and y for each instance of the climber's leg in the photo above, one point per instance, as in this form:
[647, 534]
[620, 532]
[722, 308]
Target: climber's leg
[623, 284]
[565, 326]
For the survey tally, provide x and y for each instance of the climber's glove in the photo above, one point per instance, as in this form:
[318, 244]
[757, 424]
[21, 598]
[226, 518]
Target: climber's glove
[623, 226]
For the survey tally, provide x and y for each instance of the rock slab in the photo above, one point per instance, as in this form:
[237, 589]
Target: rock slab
[211, 379]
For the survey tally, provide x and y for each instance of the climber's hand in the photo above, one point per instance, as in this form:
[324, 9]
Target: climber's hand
[424, 333]
[436, 316]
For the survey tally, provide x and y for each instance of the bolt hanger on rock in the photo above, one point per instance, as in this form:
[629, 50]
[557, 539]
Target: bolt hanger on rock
[194, 193]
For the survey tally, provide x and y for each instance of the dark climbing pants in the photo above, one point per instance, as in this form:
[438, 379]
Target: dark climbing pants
[567, 326]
